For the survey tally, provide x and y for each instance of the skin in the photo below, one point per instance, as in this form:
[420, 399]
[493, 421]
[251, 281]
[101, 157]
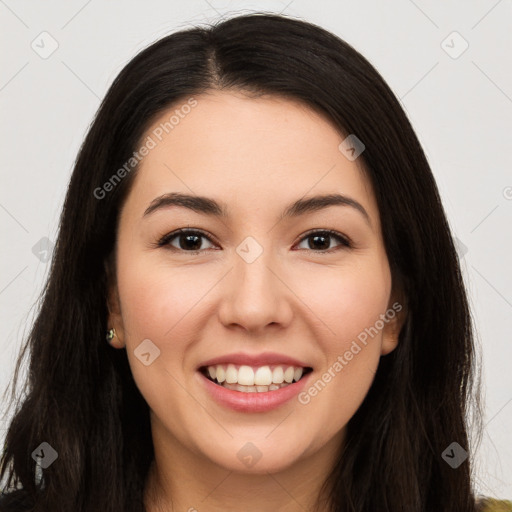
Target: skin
[257, 156]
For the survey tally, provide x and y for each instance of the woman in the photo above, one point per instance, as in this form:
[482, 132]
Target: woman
[254, 227]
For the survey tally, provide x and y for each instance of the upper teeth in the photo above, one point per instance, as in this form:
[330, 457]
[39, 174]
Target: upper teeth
[259, 376]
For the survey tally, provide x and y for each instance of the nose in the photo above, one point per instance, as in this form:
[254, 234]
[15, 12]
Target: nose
[256, 295]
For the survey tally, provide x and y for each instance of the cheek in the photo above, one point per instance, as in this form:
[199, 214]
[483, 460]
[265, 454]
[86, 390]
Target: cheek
[354, 352]
[348, 300]
[351, 304]
[165, 305]
[158, 303]
[357, 307]
[156, 297]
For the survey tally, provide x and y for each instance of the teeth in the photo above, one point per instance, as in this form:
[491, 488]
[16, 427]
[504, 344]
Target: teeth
[252, 380]
[221, 374]
[246, 376]
[231, 374]
[278, 375]
[263, 376]
[288, 374]
[253, 389]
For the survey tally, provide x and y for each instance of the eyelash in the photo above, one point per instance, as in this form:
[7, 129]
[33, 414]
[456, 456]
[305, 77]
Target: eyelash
[344, 240]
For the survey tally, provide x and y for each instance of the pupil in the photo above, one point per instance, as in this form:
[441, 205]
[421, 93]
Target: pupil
[188, 238]
[316, 238]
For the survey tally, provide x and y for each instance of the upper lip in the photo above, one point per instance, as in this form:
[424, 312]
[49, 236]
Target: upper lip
[263, 359]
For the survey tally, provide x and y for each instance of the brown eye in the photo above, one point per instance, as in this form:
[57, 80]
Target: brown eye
[191, 241]
[185, 240]
[320, 241]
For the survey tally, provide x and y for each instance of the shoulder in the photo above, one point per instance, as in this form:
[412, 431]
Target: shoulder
[15, 501]
[492, 505]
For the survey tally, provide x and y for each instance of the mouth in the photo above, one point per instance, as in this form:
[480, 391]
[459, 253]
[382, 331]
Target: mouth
[254, 379]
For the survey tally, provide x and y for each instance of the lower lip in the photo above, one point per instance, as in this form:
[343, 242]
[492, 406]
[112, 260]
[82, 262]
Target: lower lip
[253, 402]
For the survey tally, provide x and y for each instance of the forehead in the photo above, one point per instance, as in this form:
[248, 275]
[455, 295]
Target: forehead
[252, 153]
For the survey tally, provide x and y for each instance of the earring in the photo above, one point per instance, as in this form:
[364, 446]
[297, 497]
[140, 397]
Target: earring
[111, 334]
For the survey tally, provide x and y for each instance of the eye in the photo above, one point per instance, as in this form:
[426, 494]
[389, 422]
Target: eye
[320, 240]
[188, 240]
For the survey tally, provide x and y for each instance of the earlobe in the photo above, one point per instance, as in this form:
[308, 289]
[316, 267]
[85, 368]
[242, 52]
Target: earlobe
[395, 316]
[389, 342]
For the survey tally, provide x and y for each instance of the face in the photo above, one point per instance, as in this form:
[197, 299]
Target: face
[262, 286]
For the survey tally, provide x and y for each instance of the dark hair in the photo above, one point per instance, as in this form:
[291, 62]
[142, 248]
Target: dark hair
[81, 396]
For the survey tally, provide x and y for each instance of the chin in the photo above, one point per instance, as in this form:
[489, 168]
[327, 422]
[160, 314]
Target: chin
[256, 457]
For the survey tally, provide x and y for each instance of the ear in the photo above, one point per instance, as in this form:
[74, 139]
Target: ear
[115, 319]
[394, 319]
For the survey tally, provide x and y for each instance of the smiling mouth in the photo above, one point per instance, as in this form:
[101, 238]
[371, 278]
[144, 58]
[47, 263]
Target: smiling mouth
[254, 380]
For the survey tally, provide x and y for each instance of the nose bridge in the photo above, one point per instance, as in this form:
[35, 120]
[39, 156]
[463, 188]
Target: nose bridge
[256, 297]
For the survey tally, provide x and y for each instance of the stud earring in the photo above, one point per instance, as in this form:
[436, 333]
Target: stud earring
[111, 334]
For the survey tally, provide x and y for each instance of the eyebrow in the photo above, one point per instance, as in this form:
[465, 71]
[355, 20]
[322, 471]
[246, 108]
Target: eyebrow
[208, 206]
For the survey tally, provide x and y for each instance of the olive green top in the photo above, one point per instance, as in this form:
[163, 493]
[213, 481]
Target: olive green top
[492, 505]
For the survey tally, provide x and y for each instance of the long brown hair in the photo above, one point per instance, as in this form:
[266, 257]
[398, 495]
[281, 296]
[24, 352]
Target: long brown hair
[80, 395]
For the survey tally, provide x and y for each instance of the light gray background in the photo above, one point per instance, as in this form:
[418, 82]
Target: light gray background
[461, 109]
